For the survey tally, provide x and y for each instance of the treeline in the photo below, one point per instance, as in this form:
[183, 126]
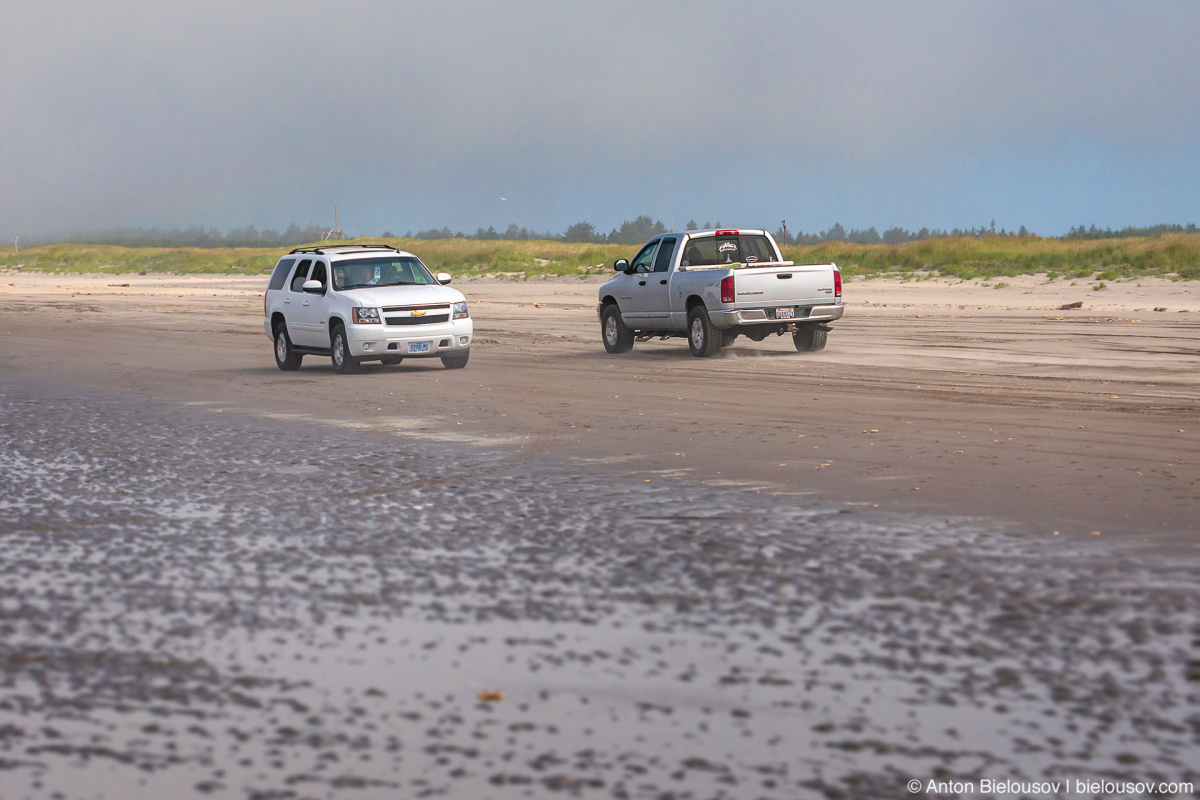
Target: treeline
[1128, 231]
[894, 235]
[629, 232]
[196, 236]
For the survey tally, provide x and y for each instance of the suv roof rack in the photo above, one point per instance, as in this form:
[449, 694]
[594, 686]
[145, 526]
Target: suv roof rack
[321, 250]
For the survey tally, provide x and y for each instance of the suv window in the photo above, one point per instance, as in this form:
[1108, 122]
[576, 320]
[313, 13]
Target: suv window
[301, 275]
[279, 276]
[665, 251]
[641, 263]
[318, 274]
[361, 273]
[711, 250]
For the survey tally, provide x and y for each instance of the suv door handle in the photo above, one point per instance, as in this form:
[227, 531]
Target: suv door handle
[287, 300]
[664, 283]
[783, 276]
[641, 283]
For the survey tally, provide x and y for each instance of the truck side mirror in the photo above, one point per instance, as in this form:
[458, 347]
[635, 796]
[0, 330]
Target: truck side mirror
[443, 278]
[621, 265]
[313, 287]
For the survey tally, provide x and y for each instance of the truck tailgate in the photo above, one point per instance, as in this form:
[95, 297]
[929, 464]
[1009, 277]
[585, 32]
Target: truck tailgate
[784, 284]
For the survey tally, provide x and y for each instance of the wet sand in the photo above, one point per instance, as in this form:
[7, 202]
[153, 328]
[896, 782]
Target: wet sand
[560, 573]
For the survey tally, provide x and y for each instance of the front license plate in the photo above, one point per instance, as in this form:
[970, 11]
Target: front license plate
[785, 313]
[418, 347]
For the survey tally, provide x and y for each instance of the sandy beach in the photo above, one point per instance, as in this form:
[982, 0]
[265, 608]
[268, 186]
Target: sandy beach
[960, 541]
[932, 394]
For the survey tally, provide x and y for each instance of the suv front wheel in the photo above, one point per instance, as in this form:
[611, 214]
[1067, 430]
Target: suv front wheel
[339, 351]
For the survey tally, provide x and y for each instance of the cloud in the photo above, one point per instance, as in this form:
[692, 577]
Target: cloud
[421, 114]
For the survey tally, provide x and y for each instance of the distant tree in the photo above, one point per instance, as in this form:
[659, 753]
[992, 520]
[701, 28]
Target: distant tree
[691, 225]
[896, 235]
[835, 234]
[388, 235]
[637, 231]
[580, 232]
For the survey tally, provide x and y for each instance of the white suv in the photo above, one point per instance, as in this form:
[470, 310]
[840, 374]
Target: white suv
[359, 303]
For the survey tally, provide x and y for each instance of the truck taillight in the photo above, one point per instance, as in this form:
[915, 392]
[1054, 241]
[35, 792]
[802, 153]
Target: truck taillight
[837, 283]
[727, 295]
[726, 233]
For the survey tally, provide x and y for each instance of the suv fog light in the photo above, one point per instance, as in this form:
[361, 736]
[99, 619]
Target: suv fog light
[462, 340]
[366, 345]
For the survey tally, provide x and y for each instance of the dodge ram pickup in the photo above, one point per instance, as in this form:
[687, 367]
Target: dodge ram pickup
[713, 286]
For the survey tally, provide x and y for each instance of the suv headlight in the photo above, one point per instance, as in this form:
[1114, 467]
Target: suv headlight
[460, 311]
[366, 316]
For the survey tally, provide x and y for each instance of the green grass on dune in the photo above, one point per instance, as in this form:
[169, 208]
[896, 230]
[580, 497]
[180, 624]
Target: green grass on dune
[1172, 255]
[1176, 255]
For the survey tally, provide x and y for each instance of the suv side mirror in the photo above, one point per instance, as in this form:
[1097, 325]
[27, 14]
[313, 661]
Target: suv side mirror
[621, 265]
[313, 287]
[443, 278]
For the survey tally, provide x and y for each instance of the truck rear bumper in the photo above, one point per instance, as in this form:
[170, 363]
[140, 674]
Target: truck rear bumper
[758, 316]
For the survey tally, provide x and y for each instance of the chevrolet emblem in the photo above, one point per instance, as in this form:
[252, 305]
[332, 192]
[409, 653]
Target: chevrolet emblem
[418, 313]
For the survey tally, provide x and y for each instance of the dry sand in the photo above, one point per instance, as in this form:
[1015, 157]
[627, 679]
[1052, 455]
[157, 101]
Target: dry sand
[933, 395]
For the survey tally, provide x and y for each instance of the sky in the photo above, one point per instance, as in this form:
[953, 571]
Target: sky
[470, 113]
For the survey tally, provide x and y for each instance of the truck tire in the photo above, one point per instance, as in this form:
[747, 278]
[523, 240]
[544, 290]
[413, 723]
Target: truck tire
[457, 361]
[339, 351]
[809, 338]
[286, 357]
[617, 337]
[704, 338]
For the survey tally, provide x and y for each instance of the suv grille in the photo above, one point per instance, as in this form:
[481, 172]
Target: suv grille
[426, 320]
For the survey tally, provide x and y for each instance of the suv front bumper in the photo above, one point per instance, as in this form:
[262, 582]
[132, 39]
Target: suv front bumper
[381, 341]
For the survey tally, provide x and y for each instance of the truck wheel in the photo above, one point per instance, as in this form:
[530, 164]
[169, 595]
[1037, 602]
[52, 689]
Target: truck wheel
[809, 338]
[286, 357]
[339, 352]
[617, 337]
[704, 338]
[457, 361]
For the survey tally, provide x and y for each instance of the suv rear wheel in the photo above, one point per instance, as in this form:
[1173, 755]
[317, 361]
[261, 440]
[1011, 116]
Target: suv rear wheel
[339, 351]
[286, 357]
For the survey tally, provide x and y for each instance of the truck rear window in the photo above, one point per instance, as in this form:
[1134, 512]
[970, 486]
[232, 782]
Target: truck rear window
[712, 250]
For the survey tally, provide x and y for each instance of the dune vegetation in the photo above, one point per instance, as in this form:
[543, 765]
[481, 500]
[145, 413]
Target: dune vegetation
[1175, 255]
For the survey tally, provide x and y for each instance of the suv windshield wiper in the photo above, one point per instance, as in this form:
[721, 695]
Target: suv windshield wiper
[377, 285]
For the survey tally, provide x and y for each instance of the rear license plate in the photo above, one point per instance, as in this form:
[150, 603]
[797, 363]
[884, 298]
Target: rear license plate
[785, 313]
[418, 347]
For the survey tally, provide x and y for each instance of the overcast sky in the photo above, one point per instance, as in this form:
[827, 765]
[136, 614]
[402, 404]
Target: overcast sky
[419, 115]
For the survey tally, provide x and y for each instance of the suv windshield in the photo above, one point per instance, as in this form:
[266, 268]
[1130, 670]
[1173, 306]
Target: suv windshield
[709, 251]
[359, 273]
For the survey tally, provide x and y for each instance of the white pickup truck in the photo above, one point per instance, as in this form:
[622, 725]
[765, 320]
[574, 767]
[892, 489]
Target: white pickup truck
[714, 285]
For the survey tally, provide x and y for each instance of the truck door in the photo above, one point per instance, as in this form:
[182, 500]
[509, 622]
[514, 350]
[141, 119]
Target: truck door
[635, 309]
[658, 288]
